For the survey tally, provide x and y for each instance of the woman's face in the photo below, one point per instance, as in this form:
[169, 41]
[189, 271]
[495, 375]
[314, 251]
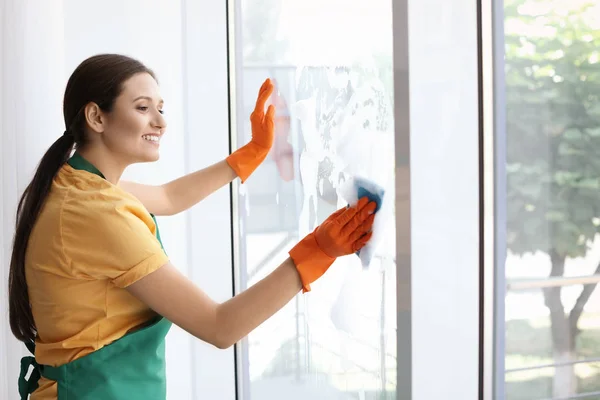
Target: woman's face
[133, 129]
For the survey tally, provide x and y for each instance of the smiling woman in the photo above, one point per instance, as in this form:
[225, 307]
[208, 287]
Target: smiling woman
[92, 291]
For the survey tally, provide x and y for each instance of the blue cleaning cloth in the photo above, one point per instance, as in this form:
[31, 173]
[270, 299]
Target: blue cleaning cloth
[370, 190]
[375, 197]
[366, 188]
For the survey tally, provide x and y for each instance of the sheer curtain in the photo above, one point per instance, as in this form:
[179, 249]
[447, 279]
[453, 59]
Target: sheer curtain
[31, 82]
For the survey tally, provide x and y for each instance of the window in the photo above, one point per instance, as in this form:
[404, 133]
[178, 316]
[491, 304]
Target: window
[552, 310]
[334, 122]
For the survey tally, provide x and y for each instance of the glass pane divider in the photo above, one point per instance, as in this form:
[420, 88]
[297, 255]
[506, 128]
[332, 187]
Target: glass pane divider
[551, 281]
[554, 365]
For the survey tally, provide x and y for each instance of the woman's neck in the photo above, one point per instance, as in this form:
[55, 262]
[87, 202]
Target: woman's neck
[105, 162]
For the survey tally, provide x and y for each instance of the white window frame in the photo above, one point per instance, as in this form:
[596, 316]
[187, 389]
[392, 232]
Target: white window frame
[493, 169]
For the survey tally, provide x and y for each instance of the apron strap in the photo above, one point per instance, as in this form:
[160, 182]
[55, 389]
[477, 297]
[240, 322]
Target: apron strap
[26, 387]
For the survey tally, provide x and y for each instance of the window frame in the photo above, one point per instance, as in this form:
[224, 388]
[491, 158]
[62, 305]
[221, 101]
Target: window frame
[493, 198]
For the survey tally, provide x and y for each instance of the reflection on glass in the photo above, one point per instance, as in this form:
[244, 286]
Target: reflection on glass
[332, 66]
[553, 138]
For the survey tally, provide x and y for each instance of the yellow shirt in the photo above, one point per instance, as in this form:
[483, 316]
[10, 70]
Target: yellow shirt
[90, 241]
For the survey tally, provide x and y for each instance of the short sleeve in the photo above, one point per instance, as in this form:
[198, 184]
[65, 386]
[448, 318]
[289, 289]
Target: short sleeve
[110, 236]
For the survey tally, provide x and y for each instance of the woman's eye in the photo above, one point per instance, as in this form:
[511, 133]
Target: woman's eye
[144, 109]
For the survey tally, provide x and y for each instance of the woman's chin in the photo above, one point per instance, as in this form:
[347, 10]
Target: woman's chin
[148, 157]
[153, 157]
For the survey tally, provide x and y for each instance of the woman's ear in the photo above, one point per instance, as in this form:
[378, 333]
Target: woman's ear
[94, 117]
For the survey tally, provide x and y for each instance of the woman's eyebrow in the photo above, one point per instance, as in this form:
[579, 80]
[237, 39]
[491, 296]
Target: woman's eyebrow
[146, 98]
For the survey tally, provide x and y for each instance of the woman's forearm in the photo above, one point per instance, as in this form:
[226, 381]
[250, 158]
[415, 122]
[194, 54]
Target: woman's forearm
[184, 192]
[239, 316]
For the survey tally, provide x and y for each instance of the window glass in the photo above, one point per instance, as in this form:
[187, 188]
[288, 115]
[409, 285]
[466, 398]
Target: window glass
[332, 66]
[553, 142]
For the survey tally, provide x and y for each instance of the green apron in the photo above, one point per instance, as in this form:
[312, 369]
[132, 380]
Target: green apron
[132, 367]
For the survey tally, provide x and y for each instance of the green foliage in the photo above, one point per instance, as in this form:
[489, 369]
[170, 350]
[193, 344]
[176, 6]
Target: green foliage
[553, 129]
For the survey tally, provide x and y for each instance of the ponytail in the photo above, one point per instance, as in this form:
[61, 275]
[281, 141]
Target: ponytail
[28, 210]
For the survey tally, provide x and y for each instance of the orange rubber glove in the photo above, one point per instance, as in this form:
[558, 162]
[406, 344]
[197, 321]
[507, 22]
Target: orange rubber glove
[247, 158]
[345, 232]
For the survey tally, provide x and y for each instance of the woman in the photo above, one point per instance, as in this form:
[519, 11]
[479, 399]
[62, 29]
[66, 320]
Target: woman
[92, 292]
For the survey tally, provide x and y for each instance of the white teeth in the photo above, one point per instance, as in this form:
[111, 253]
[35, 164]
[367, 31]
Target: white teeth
[151, 138]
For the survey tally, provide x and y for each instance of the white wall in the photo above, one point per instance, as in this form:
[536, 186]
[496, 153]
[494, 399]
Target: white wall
[42, 42]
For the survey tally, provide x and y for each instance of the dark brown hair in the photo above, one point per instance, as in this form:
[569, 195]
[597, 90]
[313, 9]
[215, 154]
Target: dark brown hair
[98, 79]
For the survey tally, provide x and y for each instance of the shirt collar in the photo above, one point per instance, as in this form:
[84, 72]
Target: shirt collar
[78, 162]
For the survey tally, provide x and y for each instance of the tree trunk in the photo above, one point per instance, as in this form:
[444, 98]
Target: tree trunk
[564, 384]
[564, 330]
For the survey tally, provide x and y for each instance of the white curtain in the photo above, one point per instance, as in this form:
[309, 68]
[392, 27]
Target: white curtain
[31, 83]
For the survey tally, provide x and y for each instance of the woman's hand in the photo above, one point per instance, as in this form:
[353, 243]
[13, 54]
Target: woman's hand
[247, 158]
[345, 232]
[262, 123]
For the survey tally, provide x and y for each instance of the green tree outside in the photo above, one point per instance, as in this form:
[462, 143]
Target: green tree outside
[553, 151]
